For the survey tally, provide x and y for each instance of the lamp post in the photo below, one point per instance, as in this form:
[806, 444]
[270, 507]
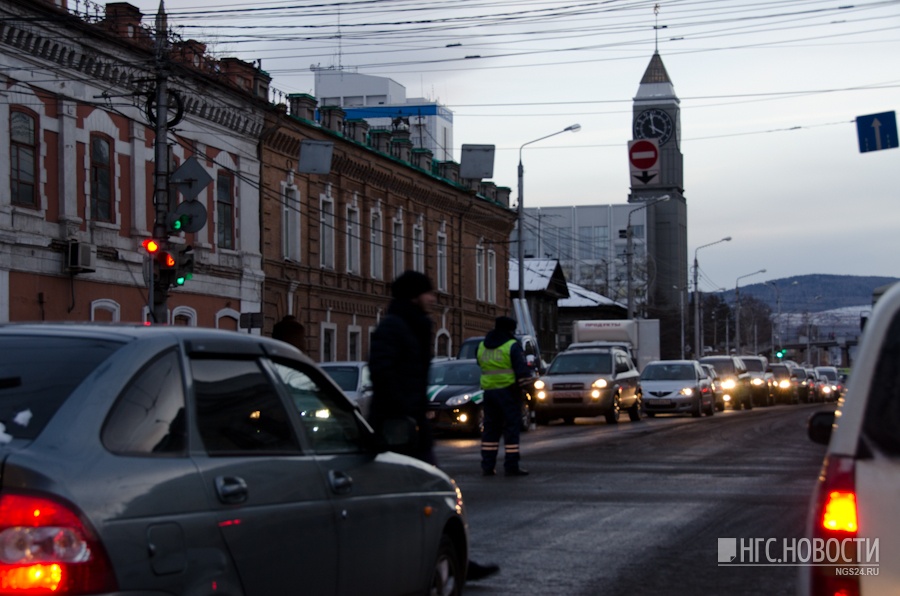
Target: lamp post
[697, 353]
[775, 336]
[629, 251]
[737, 301]
[521, 212]
[681, 315]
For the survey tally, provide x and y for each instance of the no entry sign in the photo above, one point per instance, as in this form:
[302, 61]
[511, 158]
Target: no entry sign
[643, 154]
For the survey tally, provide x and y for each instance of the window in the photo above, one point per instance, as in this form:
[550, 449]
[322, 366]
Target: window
[592, 242]
[290, 223]
[398, 248]
[238, 410]
[479, 272]
[326, 229]
[376, 240]
[354, 343]
[101, 179]
[327, 417]
[149, 417]
[329, 342]
[442, 262]
[23, 149]
[225, 210]
[492, 276]
[353, 240]
[419, 248]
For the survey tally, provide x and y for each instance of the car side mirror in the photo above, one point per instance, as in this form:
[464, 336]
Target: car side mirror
[819, 427]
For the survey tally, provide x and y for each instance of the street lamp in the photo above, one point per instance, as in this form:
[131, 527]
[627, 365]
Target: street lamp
[629, 252]
[681, 315]
[777, 316]
[697, 353]
[521, 212]
[737, 300]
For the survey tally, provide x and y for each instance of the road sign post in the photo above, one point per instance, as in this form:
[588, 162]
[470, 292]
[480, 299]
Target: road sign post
[643, 160]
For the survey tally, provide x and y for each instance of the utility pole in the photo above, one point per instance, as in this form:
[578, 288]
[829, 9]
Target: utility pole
[158, 286]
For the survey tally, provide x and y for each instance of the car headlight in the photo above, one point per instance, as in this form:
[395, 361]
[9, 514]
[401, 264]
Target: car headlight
[539, 384]
[687, 391]
[757, 381]
[458, 400]
[729, 384]
[784, 384]
[599, 384]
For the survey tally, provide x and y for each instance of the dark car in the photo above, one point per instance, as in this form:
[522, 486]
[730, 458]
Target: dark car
[600, 382]
[180, 460]
[468, 350]
[716, 385]
[761, 381]
[806, 384]
[785, 383]
[734, 380]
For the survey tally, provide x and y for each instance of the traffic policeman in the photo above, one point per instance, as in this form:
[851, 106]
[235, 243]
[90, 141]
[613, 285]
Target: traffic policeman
[504, 375]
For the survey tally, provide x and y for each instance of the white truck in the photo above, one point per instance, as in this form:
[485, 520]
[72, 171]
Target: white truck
[639, 337]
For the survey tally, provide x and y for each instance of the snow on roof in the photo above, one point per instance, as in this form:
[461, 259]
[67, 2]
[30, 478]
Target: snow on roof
[582, 297]
[538, 273]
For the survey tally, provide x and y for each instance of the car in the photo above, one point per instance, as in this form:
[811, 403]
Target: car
[468, 350]
[761, 381]
[183, 460]
[833, 378]
[854, 503]
[785, 383]
[353, 377]
[734, 378]
[718, 392]
[806, 384]
[677, 386]
[600, 382]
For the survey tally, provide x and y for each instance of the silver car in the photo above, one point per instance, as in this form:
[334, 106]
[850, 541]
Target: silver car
[598, 382]
[352, 376]
[677, 386]
[179, 460]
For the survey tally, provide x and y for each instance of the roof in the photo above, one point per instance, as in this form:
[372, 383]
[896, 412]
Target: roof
[582, 297]
[656, 84]
[541, 275]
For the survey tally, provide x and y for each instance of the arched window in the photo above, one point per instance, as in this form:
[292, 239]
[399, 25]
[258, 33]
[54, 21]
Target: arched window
[184, 316]
[105, 310]
[23, 152]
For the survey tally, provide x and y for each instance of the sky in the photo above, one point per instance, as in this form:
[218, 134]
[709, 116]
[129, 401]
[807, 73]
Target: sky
[769, 90]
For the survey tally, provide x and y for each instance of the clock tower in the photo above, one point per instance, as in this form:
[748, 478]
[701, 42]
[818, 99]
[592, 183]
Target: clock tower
[657, 115]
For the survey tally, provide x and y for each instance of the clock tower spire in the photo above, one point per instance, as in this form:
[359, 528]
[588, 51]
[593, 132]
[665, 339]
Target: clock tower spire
[657, 115]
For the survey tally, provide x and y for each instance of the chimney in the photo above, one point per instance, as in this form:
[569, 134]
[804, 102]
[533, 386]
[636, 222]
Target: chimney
[357, 129]
[190, 52]
[488, 189]
[380, 140]
[333, 118]
[239, 73]
[503, 194]
[302, 106]
[422, 158]
[449, 170]
[401, 148]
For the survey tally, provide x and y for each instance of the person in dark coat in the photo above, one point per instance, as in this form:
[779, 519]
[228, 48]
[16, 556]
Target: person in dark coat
[399, 358]
[504, 375]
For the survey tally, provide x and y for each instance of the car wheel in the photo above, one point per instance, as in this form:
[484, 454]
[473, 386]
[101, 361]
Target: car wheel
[447, 578]
[711, 409]
[698, 408]
[541, 420]
[612, 416]
[748, 404]
[568, 420]
[634, 412]
[650, 414]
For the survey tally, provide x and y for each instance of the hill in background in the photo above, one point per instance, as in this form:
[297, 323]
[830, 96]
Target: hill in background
[814, 293]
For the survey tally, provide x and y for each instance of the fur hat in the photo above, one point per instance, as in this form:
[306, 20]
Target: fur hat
[507, 324]
[410, 284]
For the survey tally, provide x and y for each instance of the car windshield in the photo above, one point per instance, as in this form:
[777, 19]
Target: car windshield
[831, 375]
[454, 373]
[668, 372]
[781, 370]
[28, 395]
[347, 377]
[576, 364]
[754, 365]
[723, 367]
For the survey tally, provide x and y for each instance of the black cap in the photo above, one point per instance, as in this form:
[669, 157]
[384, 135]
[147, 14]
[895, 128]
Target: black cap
[507, 324]
[410, 284]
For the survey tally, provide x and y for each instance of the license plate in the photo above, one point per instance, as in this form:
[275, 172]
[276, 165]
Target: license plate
[566, 394]
[660, 402]
[430, 414]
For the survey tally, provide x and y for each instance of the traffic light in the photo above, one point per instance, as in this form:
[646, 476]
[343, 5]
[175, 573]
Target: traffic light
[184, 269]
[179, 222]
[780, 353]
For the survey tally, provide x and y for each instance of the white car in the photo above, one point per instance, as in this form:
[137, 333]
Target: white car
[677, 386]
[855, 501]
[352, 376]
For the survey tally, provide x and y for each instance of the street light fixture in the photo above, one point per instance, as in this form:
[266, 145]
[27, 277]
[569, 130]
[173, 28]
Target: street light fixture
[521, 211]
[737, 301]
[681, 315]
[697, 353]
[775, 336]
[629, 250]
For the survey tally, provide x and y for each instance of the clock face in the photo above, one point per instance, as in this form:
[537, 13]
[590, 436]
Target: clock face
[654, 124]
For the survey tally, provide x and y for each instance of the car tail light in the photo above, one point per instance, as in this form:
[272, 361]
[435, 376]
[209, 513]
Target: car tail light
[45, 548]
[835, 515]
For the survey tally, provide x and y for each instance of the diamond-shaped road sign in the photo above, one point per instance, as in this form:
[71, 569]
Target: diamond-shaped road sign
[190, 178]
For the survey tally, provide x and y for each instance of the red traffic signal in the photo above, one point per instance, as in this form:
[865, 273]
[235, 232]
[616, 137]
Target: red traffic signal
[151, 246]
[166, 260]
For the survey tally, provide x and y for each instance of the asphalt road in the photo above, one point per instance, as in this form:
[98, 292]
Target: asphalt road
[638, 508]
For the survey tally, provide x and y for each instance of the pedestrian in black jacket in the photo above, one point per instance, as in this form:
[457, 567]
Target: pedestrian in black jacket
[399, 358]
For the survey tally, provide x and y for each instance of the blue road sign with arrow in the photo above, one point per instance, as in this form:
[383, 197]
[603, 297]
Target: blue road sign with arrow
[877, 131]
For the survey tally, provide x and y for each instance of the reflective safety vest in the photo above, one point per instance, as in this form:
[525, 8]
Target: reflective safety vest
[496, 366]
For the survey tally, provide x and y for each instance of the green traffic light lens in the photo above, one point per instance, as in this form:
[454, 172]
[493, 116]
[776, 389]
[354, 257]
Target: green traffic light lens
[179, 281]
[177, 224]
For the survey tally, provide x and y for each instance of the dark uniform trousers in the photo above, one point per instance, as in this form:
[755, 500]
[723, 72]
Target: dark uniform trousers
[502, 417]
